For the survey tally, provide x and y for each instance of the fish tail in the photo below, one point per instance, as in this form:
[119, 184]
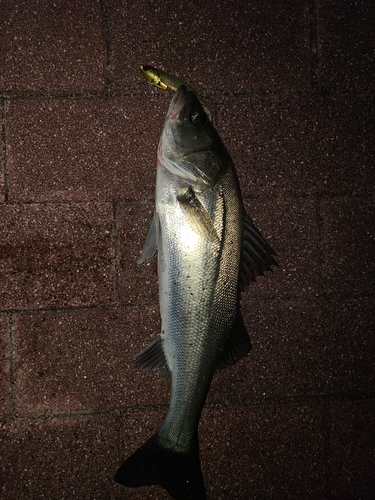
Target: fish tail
[178, 472]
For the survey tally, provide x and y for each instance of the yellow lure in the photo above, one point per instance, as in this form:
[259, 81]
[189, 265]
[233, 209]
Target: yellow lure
[165, 81]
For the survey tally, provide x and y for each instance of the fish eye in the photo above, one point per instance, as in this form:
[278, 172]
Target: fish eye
[198, 117]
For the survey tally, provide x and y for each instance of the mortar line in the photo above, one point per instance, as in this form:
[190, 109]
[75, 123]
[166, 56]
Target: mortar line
[327, 444]
[121, 438]
[320, 249]
[4, 148]
[107, 39]
[250, 298]
[117, 252]
[285, 401]
[313, 27]
[12, 364]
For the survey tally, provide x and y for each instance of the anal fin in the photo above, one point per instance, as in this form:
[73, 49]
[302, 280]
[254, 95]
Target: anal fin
[238, 344]
[152, 357]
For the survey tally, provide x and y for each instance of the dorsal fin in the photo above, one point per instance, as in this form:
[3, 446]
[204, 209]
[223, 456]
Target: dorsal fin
[256, 254]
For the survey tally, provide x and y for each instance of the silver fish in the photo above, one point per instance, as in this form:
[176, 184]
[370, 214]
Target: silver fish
[208, 251]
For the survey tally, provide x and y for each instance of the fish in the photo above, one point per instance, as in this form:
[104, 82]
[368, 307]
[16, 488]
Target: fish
[165, 81]
[208, 252]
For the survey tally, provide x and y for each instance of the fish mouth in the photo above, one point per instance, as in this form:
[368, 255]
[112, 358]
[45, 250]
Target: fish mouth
[177, 103]
[181, 92]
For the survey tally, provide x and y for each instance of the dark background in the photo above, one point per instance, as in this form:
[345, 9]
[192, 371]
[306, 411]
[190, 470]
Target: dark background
[291, 88]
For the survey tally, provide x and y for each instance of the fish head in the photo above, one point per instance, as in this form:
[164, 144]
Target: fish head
[190, 146]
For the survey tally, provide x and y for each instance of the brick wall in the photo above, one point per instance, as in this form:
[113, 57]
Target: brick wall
[291, 87]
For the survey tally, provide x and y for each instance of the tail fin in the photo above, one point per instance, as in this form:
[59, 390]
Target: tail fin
[179, 473]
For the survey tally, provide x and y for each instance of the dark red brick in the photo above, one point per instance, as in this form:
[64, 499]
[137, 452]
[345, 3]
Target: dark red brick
[145, 493]
[346, 44]
[2, 184]
[56, 255]
[292, 341]
[269, 141]
[257, 47]
[349, 326]
[352, 444]
[51, 47]
[83, 149]
[2, 153]
[83, 360]
[5, 389]
[349, 244]
[300, 144]
[290, 346]
[342, 148]
[290, 226]
[72, 457]
[254, 452]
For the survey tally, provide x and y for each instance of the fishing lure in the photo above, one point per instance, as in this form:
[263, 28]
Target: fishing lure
[165, 81]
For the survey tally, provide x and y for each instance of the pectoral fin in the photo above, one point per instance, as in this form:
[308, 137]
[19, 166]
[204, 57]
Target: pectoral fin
[196, 215]
[151, 243]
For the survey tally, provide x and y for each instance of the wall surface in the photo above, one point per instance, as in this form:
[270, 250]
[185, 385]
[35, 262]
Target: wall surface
[291, 86]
